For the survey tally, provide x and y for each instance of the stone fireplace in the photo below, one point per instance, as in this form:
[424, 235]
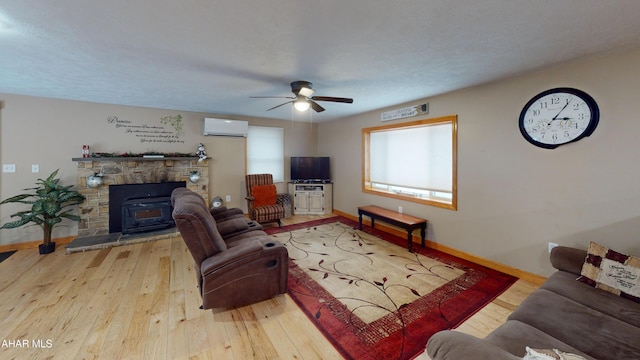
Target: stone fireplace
[94, 212]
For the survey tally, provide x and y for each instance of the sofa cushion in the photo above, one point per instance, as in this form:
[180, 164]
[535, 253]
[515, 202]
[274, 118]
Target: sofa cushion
[237, 239]
[455, 345]
[563, 283]
[514, 336]
[612, 271]
[232, 226]
[264, 195]
[223, 213]
[594, 333]
[268, 213]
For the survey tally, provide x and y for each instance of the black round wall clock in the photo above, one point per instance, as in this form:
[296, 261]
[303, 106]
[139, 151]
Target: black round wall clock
[559, 116]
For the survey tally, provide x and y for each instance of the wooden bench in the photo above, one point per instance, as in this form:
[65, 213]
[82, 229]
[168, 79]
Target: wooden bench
[404, 221]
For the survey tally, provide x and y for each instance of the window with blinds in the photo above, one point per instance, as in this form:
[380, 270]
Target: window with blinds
[414, 161]
[265, 151]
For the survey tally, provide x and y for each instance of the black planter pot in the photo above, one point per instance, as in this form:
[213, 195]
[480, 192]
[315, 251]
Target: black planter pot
[47, 249]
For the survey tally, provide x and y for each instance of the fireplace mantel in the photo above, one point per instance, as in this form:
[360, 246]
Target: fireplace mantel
[125, 158]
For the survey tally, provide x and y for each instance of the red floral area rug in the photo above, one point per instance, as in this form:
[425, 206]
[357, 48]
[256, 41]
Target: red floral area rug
[372, 298]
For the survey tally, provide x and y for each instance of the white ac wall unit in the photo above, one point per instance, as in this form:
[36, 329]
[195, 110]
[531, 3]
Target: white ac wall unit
[222, 127]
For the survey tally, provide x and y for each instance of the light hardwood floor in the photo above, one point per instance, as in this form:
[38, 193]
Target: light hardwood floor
[141, 302]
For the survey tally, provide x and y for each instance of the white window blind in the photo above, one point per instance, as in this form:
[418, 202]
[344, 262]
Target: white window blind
[417, 157]
[265, 151]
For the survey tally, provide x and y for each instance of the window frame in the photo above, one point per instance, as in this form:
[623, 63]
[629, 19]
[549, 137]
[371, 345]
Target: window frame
[367, 186]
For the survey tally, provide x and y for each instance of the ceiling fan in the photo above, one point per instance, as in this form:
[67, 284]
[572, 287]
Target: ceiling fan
[303, 98]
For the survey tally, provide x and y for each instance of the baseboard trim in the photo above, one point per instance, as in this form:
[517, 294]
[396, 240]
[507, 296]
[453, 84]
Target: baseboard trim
[34, 244]
[520, 274]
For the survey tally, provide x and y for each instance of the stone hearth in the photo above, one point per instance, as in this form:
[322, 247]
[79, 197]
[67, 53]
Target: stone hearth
[97, 242]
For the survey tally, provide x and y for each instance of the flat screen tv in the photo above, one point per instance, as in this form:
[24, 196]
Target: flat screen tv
[310, 169]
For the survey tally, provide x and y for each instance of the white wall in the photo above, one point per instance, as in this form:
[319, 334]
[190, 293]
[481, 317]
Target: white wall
[514, 198]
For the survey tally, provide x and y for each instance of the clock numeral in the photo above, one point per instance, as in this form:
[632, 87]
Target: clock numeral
[543, 105]
[555, 100]
[536, 112]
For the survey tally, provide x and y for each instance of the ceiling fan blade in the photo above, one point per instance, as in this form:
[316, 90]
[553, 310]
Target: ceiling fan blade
[333, 99]
[275, 107]
[315, 106]
[271, 97]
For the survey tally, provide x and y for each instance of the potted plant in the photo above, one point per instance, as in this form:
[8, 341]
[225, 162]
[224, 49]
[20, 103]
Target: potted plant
[50, 204]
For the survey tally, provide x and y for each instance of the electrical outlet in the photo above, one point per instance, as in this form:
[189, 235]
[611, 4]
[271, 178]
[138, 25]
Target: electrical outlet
[8, 168]
[400, 209]
[551, 246]
[227, 198]
[35, 168]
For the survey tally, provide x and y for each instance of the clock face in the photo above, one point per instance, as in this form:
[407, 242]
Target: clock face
[558, 116]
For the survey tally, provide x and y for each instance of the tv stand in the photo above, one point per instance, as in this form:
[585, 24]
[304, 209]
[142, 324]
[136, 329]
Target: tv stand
[311, 198]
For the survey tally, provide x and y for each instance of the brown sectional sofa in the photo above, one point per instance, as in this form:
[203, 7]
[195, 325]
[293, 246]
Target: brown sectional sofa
[562, 314]
[236, 263]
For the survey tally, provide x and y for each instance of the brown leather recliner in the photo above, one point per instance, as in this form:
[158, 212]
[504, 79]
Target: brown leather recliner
[237, 271]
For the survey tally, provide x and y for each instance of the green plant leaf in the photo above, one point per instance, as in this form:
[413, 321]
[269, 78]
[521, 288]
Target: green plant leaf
[17, 199]
[16, 223]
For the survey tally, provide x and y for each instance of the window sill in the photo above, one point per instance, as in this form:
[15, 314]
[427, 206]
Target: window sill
[430, 202]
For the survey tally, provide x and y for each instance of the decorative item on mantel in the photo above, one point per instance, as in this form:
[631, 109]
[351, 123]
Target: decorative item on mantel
[195, 176]
[145, 155]
[86, 151]
[95, 180]
[201, 153]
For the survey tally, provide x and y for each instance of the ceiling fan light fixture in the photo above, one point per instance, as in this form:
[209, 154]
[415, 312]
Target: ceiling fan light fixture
[301, 105]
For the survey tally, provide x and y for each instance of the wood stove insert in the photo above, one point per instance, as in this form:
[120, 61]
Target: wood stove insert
[137, 208]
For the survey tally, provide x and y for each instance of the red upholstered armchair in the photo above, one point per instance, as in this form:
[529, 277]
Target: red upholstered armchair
[263, 202]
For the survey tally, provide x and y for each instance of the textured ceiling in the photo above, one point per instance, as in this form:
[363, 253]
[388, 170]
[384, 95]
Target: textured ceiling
[212, 55]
